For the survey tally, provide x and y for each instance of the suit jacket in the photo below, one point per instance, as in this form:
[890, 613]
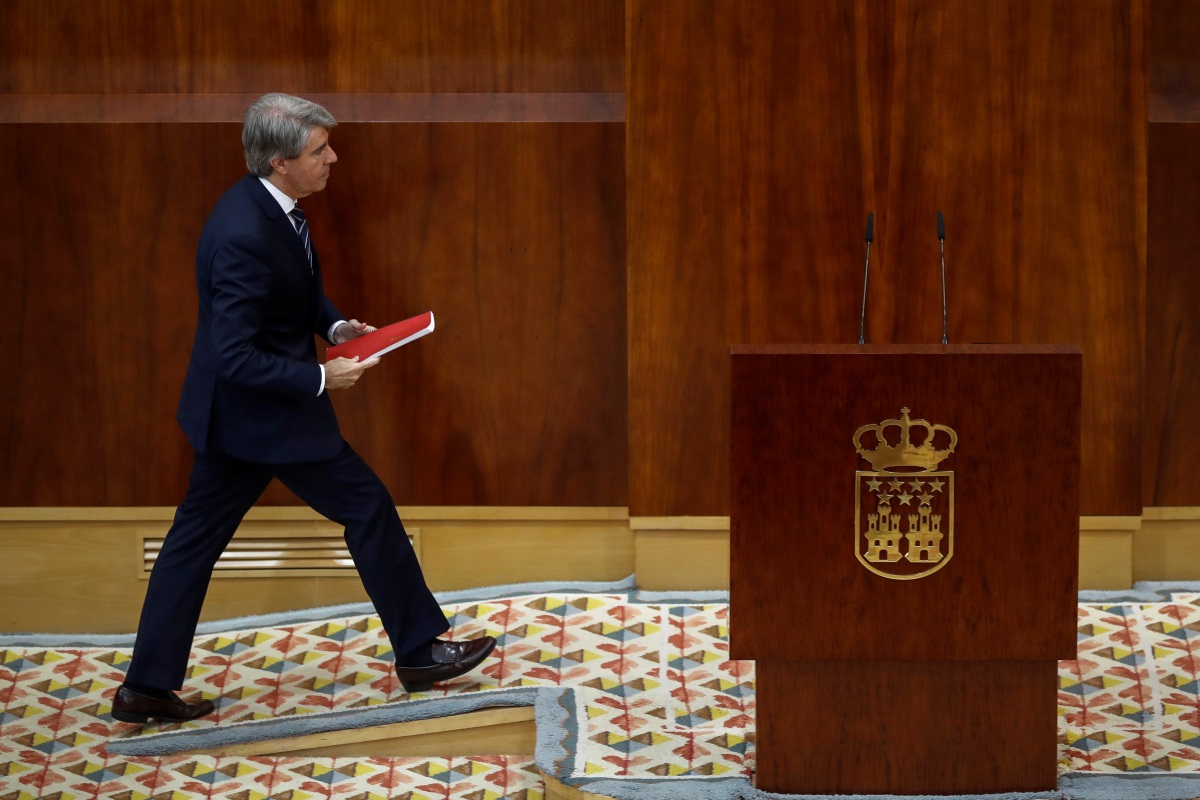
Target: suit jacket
[251, 385]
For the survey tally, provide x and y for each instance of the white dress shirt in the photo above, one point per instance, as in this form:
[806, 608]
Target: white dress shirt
[287, 204]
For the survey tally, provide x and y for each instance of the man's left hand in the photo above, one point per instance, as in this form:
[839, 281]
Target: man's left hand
[350, 330]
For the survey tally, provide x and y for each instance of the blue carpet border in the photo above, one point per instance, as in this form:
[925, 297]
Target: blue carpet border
[170, 742]
[626, 586]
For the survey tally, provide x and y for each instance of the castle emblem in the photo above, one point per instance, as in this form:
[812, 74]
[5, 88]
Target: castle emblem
[904, 505]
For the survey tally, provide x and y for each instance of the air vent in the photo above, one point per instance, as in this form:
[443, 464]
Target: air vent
[278, 553]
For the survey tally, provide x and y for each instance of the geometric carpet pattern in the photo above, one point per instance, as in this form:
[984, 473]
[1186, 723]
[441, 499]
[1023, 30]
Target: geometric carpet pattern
[662, 700]
[1130, 703]
[654, 697]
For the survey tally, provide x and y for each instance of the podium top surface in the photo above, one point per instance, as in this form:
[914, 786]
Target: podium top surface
[903, 349]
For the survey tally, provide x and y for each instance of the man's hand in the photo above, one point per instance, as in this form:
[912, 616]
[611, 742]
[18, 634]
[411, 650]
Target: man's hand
[342, 373]
[350, 330]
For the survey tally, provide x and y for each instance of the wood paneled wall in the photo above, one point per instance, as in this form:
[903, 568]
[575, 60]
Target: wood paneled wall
[761, 134]
[481, 174]
[1172, 278]
[180, 46]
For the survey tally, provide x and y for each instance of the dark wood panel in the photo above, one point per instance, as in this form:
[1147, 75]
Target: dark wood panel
[677, 319]
[909, 728]
[98, 279]
[1036, 153]
[1009, 509]
[513, 234]
[757, 189]
[1174, 61]
[114, 46]
[1172, 330]
[359, 107]
[723, 103]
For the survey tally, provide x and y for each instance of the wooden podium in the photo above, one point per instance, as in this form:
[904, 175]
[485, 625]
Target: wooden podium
[906, 613]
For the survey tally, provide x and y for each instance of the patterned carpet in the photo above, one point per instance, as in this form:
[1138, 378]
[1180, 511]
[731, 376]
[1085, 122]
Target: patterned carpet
[652, 697]
[1131, 702]
[657, 677]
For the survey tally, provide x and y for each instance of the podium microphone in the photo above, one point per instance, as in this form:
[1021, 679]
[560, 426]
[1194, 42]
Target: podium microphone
[862, 320]
[941, 232]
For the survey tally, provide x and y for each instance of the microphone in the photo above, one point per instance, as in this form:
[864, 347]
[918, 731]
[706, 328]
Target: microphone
[862, 320]
[941, 232]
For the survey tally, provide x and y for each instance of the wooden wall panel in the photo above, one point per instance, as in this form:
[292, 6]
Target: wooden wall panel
[168, 46]
[513, 234]
[97, 277]
[1036, 152]
[1172, 447]
[760, 135]
[1172, 330]
[1173, 28]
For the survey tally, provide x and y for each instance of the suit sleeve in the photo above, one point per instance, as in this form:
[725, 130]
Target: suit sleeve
[241, 284]
[327, 314]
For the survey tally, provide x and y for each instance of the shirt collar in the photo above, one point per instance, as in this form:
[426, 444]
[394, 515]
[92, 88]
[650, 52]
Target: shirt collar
[285, 202]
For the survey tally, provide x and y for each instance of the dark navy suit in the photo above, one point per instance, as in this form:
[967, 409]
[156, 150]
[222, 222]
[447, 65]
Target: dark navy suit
[251, 411]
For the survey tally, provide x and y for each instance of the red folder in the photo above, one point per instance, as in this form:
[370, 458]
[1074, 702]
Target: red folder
[383, 340]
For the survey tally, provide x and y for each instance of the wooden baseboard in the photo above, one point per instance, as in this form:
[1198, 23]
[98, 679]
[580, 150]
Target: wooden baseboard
[1106, 551]
[1163, 544]
[80, 570]
[685, 553]
[1168, 545]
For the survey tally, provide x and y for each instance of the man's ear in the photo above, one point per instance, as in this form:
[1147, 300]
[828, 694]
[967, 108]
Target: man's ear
[279, 165]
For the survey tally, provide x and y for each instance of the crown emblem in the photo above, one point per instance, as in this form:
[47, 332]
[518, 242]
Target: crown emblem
[904, 455]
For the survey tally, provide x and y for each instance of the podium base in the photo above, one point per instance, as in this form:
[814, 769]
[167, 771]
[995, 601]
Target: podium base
[906, 727]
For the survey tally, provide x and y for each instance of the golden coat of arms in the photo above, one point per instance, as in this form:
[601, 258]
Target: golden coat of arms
[904, 505]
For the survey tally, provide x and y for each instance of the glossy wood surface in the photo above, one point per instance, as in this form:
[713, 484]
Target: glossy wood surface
[512, 233]
[1011, 536]
[358, 107]
[136, 46]
[906, 728]
[1172, 424]
[1172, 327]
[761, 135]
[1174, 60]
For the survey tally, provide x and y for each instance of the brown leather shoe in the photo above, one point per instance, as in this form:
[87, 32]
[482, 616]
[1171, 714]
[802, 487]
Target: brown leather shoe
[451, 659]
[131, 706]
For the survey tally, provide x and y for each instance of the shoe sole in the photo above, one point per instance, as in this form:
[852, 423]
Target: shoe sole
[129, 716]
[423, 685]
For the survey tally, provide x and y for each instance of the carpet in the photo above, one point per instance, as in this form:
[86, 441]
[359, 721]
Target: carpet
[633, 693]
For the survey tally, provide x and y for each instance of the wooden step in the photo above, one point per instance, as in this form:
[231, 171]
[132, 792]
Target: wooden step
[493, 731]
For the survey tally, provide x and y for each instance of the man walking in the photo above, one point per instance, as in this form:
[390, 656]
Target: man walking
[255, 406]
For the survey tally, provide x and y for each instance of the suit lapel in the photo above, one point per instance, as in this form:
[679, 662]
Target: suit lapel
[283, 225]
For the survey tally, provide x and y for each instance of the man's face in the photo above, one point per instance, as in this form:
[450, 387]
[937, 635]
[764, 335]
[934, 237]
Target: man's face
[301, 176]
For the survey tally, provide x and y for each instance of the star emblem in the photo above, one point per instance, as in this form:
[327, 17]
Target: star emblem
[936, 485]
[874, 483]
[904, 498]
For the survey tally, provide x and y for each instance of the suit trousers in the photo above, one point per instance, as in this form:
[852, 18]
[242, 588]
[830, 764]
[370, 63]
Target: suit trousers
[220, 492]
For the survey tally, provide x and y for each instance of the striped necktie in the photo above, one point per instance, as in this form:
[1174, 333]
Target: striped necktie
[301, 224]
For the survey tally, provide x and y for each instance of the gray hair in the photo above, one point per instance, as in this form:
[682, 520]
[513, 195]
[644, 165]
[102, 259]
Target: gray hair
[277, 126]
